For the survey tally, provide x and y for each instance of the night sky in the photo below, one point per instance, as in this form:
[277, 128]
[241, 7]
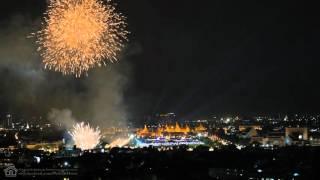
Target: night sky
[196, 57]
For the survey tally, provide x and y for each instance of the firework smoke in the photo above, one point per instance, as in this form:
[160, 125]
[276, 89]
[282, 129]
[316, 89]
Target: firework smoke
[30, 90]
[84, 136]
[120, 142]
[62, 118]
[80, 34]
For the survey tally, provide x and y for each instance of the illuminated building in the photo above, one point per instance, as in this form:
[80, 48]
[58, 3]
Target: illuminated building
[8, 122]
[170, 135]
[248, 133]
[175, 130]
[302, 133]
[314, 139]
[144, 131]
[270, 140]
[162, 141]
[45, 146]
[244, 127]
[296, 136]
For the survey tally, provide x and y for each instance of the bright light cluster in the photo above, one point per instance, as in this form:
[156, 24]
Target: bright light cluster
[84, 136]
[121, 141]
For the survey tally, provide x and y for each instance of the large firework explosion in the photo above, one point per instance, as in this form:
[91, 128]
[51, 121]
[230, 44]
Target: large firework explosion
[80, 34]
[84, 136]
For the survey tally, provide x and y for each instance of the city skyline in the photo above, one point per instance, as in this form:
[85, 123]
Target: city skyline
[161, 90]
[250, 57]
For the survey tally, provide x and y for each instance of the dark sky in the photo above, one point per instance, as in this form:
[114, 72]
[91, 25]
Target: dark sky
[213, 56]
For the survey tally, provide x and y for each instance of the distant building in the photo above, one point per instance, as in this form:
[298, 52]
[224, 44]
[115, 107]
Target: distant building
[245, 127]
[9, 121]
[249, 132]
[297, 132]
[314, 139]
[44, 146]
[270, 139]
[170, 130]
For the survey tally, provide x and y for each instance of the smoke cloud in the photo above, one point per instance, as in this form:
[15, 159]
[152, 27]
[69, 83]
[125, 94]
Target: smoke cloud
[29, 90]
[62, 118]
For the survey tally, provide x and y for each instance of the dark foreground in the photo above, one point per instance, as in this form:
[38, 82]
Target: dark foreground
[199, 164]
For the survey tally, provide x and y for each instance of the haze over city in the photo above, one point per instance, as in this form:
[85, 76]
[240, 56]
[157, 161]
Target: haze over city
[225, 89]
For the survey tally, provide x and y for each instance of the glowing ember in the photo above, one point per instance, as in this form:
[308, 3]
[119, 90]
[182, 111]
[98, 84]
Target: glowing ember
[80, 34]
[85, 137]
[120, 142]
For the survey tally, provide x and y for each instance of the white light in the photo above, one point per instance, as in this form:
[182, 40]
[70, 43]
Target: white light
[300, 136]
[189, 149]
[65, 163]
[84, 136]
[239, 146]
[259, 170]
[296, 174]
[37, 159]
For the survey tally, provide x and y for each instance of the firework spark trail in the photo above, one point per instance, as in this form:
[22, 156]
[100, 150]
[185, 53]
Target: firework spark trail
[80, 34]
[120, 142]
[84, 136]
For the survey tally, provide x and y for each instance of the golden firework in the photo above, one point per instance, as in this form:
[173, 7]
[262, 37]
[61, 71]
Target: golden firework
[80, 34]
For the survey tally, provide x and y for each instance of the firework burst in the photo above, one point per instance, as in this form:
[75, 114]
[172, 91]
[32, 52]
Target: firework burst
[80, 34]
[84, 136]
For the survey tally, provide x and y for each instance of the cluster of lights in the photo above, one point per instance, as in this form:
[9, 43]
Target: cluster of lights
[165, 143]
